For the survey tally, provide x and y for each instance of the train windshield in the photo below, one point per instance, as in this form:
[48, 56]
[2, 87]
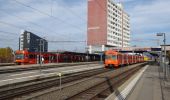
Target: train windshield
[113, 57]
[19, 56]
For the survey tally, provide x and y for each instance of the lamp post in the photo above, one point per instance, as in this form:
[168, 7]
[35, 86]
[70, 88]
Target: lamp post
[40, 50]
[87, 53]
[164, 40]
[43, 44]
[60, 74]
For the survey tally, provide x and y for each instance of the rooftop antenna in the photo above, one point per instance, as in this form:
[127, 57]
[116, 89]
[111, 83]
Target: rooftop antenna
[120, 3]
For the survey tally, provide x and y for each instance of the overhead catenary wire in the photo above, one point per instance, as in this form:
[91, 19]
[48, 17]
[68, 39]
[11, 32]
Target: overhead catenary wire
[68, 10]
[71, 41]
[9, 24]
[44, 13]
[21, 18]
[7, 39]
[68, 41]
[40, 26]
[54, 41]
[73, 13]
[17, 27]
[11, 33]
[41, 13]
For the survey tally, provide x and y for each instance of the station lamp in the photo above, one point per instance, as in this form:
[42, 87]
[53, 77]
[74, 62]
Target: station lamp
[164, 40]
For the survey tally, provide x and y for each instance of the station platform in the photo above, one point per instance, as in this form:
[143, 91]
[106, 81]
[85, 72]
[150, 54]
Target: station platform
[147, 84]
[151, 86]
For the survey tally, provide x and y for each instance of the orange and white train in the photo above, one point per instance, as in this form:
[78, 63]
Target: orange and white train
[114, 59]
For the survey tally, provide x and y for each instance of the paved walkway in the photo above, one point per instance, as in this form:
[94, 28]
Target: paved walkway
[151, 86]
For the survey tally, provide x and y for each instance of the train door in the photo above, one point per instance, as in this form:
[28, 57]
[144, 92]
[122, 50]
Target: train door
[26, 57]
[51, 58]
[123, 59]
[127, 57]
[120, 59]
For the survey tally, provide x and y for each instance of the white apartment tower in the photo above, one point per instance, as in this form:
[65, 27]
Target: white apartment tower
[108, 25]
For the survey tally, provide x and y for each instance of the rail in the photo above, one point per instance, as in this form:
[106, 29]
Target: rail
[18, 89]
[86, 85]
[10, 69]
[6, 64]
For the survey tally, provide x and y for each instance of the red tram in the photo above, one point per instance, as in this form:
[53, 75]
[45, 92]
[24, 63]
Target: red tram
[115, 59]
[26, 57]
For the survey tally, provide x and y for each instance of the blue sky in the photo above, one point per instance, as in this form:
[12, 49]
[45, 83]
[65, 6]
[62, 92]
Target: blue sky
[69, 21]
[148, 17]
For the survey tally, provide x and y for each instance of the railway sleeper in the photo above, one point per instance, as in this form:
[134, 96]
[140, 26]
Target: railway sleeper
[97, 90]
[65, 93]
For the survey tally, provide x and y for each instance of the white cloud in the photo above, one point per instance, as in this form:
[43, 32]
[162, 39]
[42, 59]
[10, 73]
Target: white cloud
[123, 1]
[148, 19]
[71, 26]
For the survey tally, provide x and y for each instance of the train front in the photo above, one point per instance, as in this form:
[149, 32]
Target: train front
[111, 59]
[21, 57]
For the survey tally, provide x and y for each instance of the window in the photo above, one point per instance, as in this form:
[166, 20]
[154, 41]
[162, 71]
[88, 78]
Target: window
[31, 56]
[19, 56]
[113, 57]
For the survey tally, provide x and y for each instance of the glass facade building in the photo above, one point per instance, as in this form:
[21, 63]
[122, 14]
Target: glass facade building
[31, 42]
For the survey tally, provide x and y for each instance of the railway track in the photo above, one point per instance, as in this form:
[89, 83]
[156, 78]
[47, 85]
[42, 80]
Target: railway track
[14, 90]
[104, 89]
[5, 69]
[6, 64]
[92, 86]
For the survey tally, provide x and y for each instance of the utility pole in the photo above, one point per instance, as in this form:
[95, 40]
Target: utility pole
[43, 46]
[165, 54]
[164, 46]
[87, 54]
[86, 50]
[40, 53]
[19, 43]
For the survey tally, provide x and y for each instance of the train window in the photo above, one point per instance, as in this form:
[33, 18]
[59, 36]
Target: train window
[113, 57]
[31, 56]
[19, 56]
[46, 58]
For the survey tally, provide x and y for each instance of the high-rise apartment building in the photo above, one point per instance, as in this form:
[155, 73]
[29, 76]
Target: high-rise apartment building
[31, 42]
[108, 25]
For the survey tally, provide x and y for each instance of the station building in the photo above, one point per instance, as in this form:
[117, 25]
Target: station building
[108, 25]
[31, 42]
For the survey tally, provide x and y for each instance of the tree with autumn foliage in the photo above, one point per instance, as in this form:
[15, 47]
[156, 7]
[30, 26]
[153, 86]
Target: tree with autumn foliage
[6, 55]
